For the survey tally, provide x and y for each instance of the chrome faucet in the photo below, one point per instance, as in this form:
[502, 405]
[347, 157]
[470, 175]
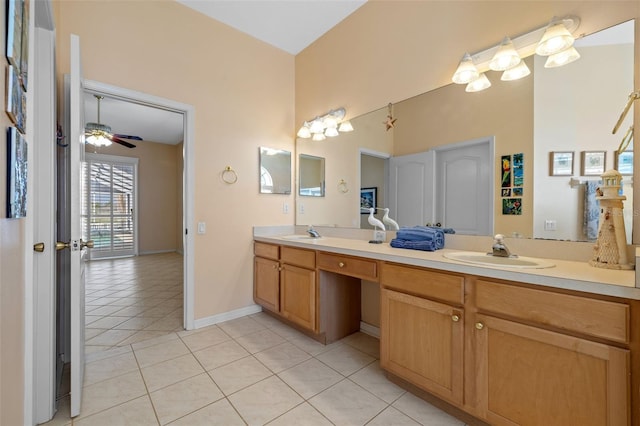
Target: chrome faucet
[312, 232]
[499, 248]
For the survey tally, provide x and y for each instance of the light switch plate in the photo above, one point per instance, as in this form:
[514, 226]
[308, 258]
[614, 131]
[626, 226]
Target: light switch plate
[202, 228]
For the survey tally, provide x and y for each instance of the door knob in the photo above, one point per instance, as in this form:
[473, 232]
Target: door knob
[38, 247]
[479, 325]
[455, 318]
[88, 244]
[60, 245]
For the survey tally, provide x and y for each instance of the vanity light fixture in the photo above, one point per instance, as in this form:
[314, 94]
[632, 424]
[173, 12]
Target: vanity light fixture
[519, 71]
[329, 125]
[561, 58]
[479, 84]
[466, 72]
[508, 56]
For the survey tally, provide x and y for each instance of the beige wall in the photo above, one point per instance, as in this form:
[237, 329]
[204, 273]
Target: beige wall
[243, 94]
[12, 261]
[159, 178]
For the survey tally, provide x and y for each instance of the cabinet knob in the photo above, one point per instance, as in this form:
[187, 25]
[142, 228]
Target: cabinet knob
[479, 325]
[341, 264]
[275, 267]
[455, 318]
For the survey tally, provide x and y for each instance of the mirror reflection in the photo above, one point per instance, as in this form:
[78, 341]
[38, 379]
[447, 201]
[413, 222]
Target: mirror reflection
[275, 171]
[571, 108]
[311, 176]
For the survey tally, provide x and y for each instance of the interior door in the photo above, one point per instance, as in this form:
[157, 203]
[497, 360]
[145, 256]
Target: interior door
[76, 244]
[464, 194]
[411, 188]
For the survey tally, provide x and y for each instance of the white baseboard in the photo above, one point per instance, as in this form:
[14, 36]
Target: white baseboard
[144, 253]
[226, 316]
[369, 329]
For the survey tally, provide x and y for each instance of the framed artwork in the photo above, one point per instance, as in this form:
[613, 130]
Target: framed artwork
[518, 169]
[16, 174]
[512, 206]
[368, 199]
[593, 163]
[24, 54]
[561, 163]
[13, 49]
[14, 98]
[623, 162]
[505, 180]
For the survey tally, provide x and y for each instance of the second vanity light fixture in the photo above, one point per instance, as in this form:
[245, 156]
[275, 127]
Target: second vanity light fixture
[325, 126]
[554, 40]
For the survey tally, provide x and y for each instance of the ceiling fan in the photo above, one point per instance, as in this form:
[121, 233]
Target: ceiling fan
[100, 134]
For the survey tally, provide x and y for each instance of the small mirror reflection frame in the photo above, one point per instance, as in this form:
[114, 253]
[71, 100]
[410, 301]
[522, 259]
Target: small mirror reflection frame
[561, 163]
[624, 162]
[593, 163]
[275, 171]
[311, 180]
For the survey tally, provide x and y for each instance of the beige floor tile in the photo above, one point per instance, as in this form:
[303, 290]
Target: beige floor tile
[221, 354]
[107, 322]
[203, 339]
[102, 310]
[160, 339]
[110, 337]
[160, 352]
[169, 372]
[108, 368]
[313, 347]
[168, 323]
[182, 398]
[365, 343]
[220, 413]
[63, 415]
[285, 331]
[302, 415]
[240, 327]
[260, 340]
[90, 333]
[135, 323]
[310, 378]
[111, 392]
[393, 417]
[423, 412]
[239, 374]
[142, 336]
[372, 378]
[265, 319]
[264, 401]
[138, 412]
[345, 359]
[282, 357]
[348, 404]
[112, 351]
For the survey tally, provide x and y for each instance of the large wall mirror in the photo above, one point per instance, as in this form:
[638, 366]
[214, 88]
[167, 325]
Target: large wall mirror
[571, 108]
[275, 171]
[311, 182]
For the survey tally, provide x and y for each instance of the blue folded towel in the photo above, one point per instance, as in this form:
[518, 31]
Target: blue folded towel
[422, 233]
[414, 245]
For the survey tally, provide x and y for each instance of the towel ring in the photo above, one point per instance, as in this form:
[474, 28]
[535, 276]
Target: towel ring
[229, 175]
[342, 186]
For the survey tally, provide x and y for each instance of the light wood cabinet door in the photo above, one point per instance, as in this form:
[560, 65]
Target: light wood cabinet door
[266, 283]
[422, 342]
[531, 376]
[298, 295]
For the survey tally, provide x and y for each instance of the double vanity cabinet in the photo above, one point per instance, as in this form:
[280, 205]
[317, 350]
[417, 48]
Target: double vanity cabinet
[495, 351]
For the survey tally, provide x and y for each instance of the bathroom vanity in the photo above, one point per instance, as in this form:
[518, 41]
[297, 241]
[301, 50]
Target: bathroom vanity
[555, 346]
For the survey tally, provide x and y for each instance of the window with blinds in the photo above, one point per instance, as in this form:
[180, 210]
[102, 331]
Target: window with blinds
[109, 208]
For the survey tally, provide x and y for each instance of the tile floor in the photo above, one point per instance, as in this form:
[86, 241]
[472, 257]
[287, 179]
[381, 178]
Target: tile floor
[252, 370]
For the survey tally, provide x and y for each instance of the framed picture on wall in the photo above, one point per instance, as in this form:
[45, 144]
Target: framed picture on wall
[593, 163]
[368, 199]
[623, 162]
[561, 163]
[16, 174]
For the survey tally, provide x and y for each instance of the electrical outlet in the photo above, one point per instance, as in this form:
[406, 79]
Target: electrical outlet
[301, 208]
[550, 225]
[285, 208]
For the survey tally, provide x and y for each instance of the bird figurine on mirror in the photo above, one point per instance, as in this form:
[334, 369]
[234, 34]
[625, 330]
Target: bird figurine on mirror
[392, 224]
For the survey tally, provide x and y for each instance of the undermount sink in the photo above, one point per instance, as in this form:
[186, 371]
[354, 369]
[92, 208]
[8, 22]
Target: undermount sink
[519, 262]
[299, 237]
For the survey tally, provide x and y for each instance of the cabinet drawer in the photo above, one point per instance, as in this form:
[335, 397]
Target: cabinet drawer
[270, 251]
[345, 265]
[423, 282]
[598, 318]
[299, 257]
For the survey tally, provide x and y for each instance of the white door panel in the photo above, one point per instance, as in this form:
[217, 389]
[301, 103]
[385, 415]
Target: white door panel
[76, 150]
[411, 188]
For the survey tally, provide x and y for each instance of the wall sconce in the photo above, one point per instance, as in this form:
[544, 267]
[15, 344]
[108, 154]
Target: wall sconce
[325, 126]
[554, 40]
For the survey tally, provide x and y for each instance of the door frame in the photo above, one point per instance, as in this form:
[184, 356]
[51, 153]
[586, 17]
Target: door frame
[188, 177]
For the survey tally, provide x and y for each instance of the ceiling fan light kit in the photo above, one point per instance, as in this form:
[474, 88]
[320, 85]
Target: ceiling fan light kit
[98, 134]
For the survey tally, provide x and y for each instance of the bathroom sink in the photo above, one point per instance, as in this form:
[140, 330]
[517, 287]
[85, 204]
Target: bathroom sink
[519, 262]
[299, 237]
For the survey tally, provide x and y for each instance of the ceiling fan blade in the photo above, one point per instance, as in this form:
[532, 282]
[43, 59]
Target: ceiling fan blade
[116, 139]
[135, 138]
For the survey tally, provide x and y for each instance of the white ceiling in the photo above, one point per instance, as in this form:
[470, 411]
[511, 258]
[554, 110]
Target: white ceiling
[290, 25]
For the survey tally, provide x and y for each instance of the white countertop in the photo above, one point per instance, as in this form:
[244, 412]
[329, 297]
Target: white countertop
[570, 275]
